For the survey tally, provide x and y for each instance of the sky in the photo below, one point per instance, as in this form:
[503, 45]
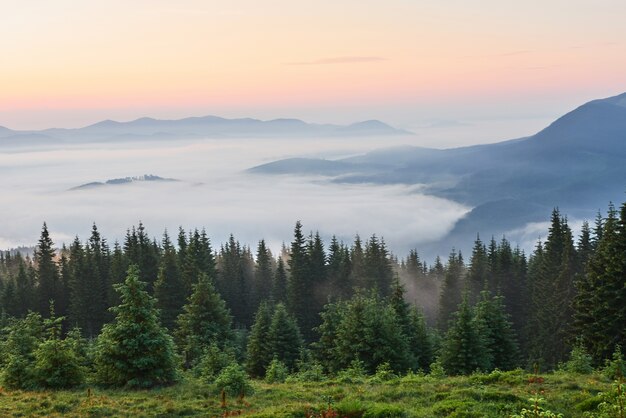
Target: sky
[506, 66]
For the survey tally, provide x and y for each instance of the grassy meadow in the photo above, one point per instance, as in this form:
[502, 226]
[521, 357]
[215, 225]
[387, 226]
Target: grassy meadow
[497, 394]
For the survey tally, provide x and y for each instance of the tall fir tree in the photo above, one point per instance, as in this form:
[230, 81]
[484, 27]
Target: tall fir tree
[259, 349]
[464, 348]
[600, 305]
[497, 329]
[284, 337]
[299, 289]
[205, 320]
[279, 284]
[478, 271]
[48, 286]
[452, 289]
[263, 273]
[169, 289]
[135, 350]
[552, 295]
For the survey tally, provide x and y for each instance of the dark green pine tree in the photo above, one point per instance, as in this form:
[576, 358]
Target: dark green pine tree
[478, 272]
[497, 330]
[24, 336]
[299, 289]
[234, 282]
[284, 337]
[259, 350]
[357, 258]
[206, 259]
[378, 272]
[205, 320]
[57, 365]
[140, 250]
[421, 340]
[584, 246]
[135, 350]
[318, 283]
[86, 297]
[515, 291]
[9, 300]
[24, 290]
[452, 289]
[464, 349]
[413, 326]
[99, 266]
[379, 339]
[119, 267]
[552, 295]
[600, 304]
[169, 289]
[263, 273]
[182, 245]
[325, 348]
[47, 273]
[339, 268]
[279, 284]
[62, 305]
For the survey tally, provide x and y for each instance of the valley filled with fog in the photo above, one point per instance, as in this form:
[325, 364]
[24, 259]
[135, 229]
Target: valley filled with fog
[213, 191]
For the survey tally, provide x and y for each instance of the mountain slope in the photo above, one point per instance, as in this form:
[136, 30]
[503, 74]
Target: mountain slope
[577, 163]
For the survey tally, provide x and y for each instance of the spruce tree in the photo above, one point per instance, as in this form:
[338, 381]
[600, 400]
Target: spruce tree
[552, 295]
[299, 289]
[169, 289]
[284, 337]
[48, 286]
[464, 349]
[263, 273]
[497, 330]
[452, 290]
[478, 272]
[380, 337]
[205, 320]
[259, 349]
[600, 305]
[135, 350]
[325, 348]
[24, 337]
[56, 364]
[279, 284]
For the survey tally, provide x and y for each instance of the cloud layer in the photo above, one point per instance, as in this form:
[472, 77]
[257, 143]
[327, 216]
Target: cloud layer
[213, 193]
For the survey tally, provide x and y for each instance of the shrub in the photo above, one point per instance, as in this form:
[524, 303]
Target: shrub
[276, 372]
[213, 361]
[436, 370]
[353, 374]
[615, 368]
[384, 373]
[234, 381]
[579, 361]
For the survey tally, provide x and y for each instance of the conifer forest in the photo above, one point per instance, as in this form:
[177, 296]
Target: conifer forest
[349, 328]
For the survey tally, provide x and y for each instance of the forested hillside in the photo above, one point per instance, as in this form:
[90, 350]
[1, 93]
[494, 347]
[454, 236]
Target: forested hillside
[140, 312]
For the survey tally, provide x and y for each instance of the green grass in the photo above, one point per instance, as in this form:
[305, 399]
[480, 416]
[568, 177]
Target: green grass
[498, 394]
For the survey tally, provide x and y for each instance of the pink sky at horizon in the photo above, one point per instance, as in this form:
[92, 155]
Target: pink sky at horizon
[70, 63]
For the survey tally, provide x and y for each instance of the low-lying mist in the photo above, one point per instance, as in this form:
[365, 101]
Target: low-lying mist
[213, 192]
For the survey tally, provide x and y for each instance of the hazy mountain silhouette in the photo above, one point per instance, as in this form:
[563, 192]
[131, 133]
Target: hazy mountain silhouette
[577, 163]
[194, 127]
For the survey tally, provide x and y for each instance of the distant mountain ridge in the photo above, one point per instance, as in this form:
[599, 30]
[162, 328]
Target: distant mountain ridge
[577, 163]
[197, 127]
